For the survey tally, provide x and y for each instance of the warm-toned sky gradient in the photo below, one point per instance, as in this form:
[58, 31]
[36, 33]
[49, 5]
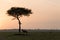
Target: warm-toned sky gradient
[46, 14]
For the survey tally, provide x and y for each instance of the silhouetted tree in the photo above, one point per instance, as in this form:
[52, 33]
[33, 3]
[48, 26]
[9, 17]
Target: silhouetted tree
[18, 12]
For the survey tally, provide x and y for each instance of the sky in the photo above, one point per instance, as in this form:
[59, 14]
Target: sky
[46, 14]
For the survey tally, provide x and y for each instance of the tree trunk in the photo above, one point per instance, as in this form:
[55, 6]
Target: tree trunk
[19, 24]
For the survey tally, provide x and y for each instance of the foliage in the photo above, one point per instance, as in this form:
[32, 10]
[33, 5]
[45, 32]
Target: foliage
[19, 11]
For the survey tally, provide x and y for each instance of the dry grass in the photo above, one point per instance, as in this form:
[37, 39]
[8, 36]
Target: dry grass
[30, 36]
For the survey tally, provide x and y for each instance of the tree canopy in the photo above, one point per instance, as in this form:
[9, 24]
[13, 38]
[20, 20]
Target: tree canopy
[19, 11]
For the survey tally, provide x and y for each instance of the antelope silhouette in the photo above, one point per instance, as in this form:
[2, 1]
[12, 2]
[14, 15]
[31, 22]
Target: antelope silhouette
[24, 31]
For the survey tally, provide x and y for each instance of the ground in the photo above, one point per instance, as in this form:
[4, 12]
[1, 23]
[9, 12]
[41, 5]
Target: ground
[30, 36]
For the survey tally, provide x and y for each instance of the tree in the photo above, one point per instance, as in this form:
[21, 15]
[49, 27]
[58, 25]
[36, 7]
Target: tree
[18, 12]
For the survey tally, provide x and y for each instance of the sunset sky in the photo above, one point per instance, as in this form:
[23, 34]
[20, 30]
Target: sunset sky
[46, 14]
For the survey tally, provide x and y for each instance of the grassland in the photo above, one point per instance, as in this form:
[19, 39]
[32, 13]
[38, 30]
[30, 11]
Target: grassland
[30, 36]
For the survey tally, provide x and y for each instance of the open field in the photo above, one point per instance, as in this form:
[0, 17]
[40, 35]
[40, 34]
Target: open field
[30, 36]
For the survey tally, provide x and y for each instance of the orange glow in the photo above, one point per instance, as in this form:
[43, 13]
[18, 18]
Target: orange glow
[46, 14]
